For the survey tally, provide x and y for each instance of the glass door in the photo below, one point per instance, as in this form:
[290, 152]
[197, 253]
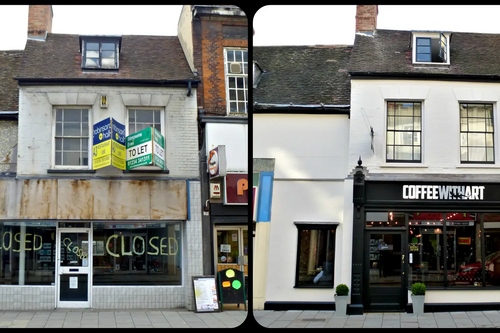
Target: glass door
[231, 248]
[73, 268]
[386, 273]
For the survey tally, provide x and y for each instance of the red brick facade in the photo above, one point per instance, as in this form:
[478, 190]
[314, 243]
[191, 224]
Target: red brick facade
[366, 17]
[39, 20]
[209, 43]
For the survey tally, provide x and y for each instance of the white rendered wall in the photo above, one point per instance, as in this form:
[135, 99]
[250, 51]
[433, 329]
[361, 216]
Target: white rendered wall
[36, 123]
[440, 123]
[310, 170]
[235, 138]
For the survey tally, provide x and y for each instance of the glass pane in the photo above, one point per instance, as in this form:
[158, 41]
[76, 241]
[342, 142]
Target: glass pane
[476, 139]
[423, 49]
[241, 95]
[157, 116]
[85, 130]
[230, 56]
[85, 116]
[404, 109]
[489, 140]
[241, 106]
[232, 95]
[108, 46]
[316, 257]
[464, 154]
[108, 63]
[58, 158]
[71, 158]
[404, 123]
[385, 262]
[239, 82]
[489, 125]
[390, 138]
[463, 124]
[158, 127]
[108, 54]
[423, 41]
[477, 154]
[424, 57]
[92, 54]
[93, 46]
[233, 107]
[390, 153]
[59, 129]
[59, 115]
[416, 153]
[417, 121]
[403, 152]
[476, 110]
[232, 82]
[140, 127]
[390, 109]
[417, 110]
[131, 116]
[144, 116]
[463, 111]
[92, 62]
[74, 249]
[416, 138]
[85, 144]
[71, 129]
[490, 157]
[71, 144]
[390, 123]
[477, 124]
[463, 139]
[59, 144]
[72, 115]
[403, 138]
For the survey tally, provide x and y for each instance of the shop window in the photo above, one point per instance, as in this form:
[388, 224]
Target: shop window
[385, 219]
[404, 130]
[28, 251]
[315, 255]
[476, 133]
[492, 248]
[137, 253]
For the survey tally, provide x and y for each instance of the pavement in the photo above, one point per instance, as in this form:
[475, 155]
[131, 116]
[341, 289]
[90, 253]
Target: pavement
[124, 318]
[327, 319]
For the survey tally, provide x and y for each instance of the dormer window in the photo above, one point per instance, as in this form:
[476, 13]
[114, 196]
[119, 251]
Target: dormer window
[431, 47]
[100, 52]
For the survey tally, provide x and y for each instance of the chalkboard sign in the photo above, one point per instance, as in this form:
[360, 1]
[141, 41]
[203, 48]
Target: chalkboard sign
[205, 294]
[232, 287]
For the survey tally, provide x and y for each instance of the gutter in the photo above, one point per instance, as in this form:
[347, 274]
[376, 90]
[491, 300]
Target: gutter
[302, 109]
[108, 82]
[425, 76]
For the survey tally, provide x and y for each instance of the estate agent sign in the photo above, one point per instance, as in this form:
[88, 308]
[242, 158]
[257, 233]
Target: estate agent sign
[145, 148]
[108, 144]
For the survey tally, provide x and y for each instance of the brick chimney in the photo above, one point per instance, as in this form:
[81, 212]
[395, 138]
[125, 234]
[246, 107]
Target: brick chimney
[366, 18]
[39, 21]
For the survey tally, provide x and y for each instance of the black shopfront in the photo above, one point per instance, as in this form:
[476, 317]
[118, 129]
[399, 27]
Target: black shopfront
[444, 234]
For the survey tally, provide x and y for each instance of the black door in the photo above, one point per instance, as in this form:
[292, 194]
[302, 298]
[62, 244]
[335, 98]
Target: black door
[385, 283]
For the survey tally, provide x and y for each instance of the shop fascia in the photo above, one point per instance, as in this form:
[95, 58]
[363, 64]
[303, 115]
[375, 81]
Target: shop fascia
[443, 192]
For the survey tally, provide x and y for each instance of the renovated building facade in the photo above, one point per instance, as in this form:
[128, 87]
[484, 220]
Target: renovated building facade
[215, 41]
[81, 226]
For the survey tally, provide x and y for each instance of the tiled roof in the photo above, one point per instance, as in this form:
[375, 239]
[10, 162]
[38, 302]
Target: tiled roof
[390, 51]
[9, 95]
[303, 75]
[141, 57]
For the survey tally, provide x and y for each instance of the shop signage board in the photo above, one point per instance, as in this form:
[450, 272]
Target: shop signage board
[431, 192]
[205, 294]
[108, 146]
[232, 287]
[236, 192]
[145, 148]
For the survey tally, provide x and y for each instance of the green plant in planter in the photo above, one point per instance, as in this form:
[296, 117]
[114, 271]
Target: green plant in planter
[418, 289]
[342, 290]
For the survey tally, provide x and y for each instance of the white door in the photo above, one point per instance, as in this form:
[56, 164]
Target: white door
[74, 267]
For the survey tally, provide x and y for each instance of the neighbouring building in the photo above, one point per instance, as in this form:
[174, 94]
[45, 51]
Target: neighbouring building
[424, 122]
[215, 41]
[74, 234]
[300, 123]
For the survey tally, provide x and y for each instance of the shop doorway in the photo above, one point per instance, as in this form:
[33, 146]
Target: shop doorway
[231, 249]
[386, 279]
[73, 268]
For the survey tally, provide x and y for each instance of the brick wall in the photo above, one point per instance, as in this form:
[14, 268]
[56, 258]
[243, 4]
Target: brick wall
[366, 17]
[39, 20]
[209, 46]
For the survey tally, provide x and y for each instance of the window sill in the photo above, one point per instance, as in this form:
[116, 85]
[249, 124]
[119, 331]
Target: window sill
[478, 166]
[146, 171]
[404, 165]
[69, 171]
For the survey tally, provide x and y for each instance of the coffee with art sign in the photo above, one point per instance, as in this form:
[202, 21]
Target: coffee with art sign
[145, 148]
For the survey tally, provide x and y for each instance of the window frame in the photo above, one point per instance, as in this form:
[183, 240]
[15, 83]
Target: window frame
[324, 226]
[394, 160]
[485, 132]
[89, 148]
[443, 40]
[228, 75]
[162, 131]
[100, 40]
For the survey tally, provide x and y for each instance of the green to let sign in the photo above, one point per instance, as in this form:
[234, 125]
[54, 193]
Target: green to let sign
[145, 148]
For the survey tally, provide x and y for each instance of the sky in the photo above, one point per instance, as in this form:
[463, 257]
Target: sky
[335, 24]
[91, 20]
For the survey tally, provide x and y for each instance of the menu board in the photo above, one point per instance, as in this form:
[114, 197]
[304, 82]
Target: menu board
[205, 294]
